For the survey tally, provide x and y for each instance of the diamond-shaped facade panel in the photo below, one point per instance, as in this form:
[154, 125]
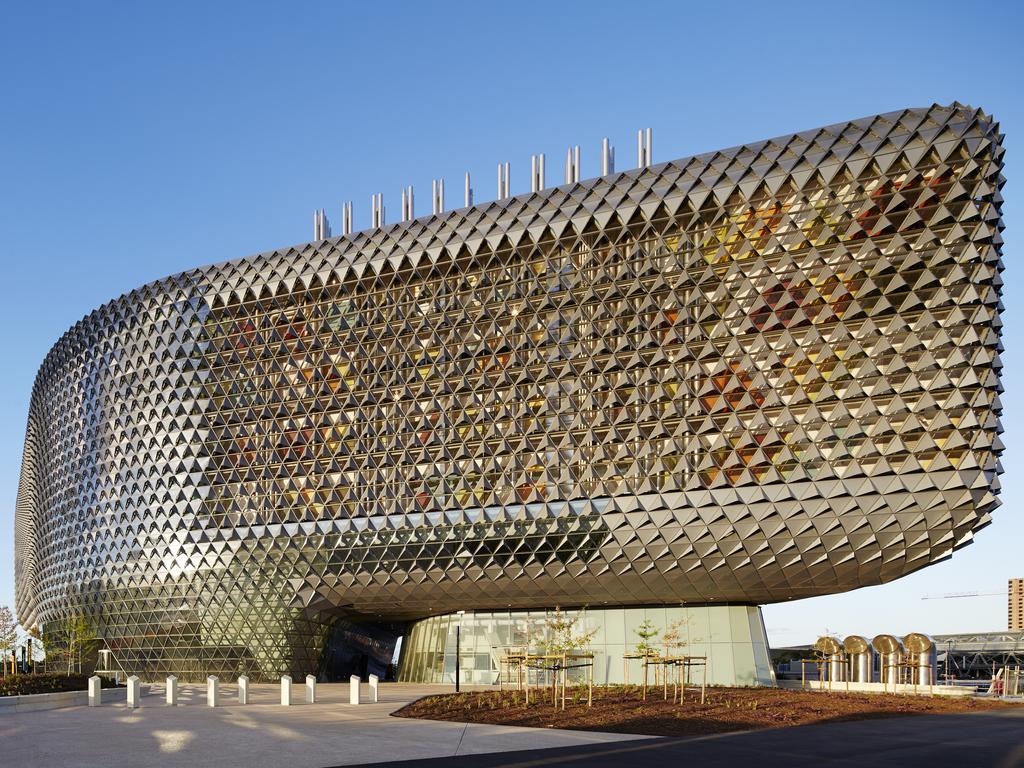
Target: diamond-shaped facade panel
[761, 373]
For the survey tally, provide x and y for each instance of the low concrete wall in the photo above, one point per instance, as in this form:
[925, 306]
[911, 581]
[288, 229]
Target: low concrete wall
[38, 702]
[920, 690]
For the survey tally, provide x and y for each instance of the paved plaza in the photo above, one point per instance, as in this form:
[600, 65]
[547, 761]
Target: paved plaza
[333, 732]
[329, 733]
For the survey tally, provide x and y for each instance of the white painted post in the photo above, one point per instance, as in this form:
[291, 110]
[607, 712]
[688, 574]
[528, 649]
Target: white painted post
[133, 692]
[95, 691]
[310, 689]
[243, 690]
[286, 691]
[212, 691]
[172, 691]
[353, 689]
[374, 680]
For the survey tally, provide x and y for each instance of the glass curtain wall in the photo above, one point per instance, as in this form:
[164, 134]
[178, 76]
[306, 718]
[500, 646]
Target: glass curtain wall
[730, 637]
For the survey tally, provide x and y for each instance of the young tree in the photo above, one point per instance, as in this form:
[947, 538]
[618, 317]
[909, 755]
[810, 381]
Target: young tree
[672, 641]
[8, 633]
[672, 638]
[647, 634]
[50, 642]
[565, 638]
[37, 647]
[59, 644]
[80, 641]
[67, 643]
[646, 646]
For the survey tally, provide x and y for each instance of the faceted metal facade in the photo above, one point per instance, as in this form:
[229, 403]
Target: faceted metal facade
[757, 374]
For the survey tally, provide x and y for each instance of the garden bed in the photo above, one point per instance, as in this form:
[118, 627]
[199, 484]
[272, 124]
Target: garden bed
[619, 709]
[45, 682]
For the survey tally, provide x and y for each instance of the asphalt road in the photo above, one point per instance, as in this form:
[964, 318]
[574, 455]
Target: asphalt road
[981, 740]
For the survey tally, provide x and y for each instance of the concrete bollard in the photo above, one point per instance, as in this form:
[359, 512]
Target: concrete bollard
[95, 691]
[172, 691]
[286, 691]
[353, 689]
[310, 689]
[132, 700]
[243, 690]
[374, 682]
[212, 691]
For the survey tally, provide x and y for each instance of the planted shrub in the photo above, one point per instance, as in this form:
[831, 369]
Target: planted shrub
[45, 682]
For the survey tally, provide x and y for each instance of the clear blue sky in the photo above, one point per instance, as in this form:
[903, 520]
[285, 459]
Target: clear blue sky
[141, 139]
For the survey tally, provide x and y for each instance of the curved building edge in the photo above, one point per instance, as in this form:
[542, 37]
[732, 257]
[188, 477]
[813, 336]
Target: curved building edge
[752, 375]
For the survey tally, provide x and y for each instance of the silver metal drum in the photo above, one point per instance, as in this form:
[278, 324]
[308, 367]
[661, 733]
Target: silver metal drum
[832, 649]
[921, 650]
[891, 651]
[862, 657]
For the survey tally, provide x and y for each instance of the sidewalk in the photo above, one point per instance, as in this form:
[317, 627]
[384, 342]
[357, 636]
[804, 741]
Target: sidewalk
[331, 732]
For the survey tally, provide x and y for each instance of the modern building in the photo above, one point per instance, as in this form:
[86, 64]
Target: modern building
[673, 394]
[978, 655]
[1015, 605]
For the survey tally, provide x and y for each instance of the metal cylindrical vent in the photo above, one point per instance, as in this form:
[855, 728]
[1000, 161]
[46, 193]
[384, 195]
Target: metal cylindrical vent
[836, 671]
[828, 645]
[891, 651]
[831, 651]
[921, 650]
[862, 658]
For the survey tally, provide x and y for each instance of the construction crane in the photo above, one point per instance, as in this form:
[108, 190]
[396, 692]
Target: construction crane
[950, 595]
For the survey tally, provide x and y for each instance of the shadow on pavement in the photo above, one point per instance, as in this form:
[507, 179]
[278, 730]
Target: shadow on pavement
[936, 741]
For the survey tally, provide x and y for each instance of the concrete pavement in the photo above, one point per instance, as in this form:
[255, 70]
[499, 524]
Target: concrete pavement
[331, 732]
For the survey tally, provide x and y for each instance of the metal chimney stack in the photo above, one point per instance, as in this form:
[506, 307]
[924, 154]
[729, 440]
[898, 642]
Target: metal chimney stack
[346, 218]
[377, 210]
[408, 207]
[538, 181]
[536, 173]
[437, 206]
[321, 226]
[572, 165]
[643, 148]
[503, 181]
[607, 157]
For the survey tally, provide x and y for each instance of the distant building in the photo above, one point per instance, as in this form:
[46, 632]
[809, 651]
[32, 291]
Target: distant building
[978, 655]
[1015, 605]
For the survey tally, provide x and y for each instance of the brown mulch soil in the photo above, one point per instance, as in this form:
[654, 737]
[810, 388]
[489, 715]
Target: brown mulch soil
[619, 709]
